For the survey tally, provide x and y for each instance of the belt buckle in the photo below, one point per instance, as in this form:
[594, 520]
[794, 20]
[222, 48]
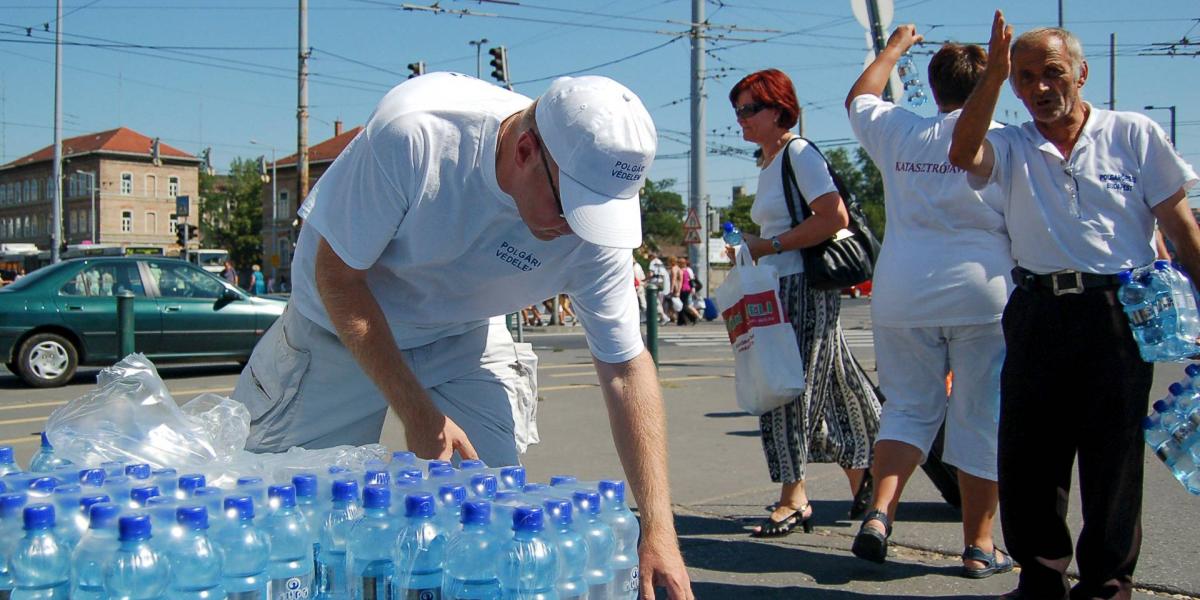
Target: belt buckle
[1072, 282]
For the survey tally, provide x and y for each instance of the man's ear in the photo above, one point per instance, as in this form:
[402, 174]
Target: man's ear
[1083, 74]
[526, 148]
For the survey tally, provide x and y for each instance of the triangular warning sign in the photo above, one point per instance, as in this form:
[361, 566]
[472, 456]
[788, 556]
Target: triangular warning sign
[692, 236]
[692, 222]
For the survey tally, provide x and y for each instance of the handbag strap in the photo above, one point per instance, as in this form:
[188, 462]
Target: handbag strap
[789, 180]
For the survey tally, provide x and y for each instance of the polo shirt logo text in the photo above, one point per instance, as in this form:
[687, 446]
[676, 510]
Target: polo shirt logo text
[516, 257]
[1118, 181]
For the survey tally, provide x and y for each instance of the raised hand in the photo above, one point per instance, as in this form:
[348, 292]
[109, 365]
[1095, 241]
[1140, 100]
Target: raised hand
[998, 47]
[904, 38]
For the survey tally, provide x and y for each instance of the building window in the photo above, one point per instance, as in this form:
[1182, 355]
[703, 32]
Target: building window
[285, 251]
[126, 183]
[126, 221]
[172, 186]
[173, 224]
[71, 222]
[35, 192]
[151, 222]
[151, 186]
[283, 206]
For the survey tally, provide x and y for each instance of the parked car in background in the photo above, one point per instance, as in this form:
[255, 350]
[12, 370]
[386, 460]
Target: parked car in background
[855, 291]
[65, 315]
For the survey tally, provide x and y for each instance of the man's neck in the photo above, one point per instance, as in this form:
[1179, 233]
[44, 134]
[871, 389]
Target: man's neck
[1064, 132]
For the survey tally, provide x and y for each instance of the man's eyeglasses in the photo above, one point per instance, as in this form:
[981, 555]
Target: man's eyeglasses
[549, 178]
[746, 111]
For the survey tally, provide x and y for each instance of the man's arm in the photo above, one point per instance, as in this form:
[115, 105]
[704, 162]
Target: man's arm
[1175, 219]
[639, 429]
[875, 78]
[363, 329]
[970, 150]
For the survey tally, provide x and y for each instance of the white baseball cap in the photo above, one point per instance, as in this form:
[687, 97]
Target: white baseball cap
[603, 140]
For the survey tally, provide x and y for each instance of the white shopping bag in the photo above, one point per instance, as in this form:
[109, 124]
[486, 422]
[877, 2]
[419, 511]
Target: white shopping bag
[768, 369]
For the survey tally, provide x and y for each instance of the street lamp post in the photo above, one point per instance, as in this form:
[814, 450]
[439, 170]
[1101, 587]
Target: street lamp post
[478, 47]
[91, 189]
[274, 210]
[1172, 109]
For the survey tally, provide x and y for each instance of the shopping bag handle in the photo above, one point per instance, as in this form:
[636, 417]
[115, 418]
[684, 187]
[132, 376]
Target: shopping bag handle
[742, 258]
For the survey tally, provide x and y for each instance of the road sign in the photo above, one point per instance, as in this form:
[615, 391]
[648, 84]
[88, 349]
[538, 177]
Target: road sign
[861, 13]
[692, 236]
[181, 206]
[274, 260]
[692, 223]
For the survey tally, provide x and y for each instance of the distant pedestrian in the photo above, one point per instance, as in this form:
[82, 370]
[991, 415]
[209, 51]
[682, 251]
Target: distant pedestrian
[230, 273]
[257, 283]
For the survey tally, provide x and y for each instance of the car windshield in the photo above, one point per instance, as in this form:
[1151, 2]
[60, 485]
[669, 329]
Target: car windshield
[213, 260]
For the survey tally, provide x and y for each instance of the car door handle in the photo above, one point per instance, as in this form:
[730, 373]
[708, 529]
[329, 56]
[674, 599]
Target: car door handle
[172, 309]
[74, 307]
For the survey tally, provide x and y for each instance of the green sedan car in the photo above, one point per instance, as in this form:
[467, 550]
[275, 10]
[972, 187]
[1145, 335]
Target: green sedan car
[65, 315]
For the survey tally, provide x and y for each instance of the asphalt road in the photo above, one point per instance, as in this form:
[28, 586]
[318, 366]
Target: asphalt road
[719, 478]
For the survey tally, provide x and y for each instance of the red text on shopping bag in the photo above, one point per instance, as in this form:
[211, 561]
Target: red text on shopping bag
[753, 310]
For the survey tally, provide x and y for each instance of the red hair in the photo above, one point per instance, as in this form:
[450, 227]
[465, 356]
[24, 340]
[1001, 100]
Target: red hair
[773, 88]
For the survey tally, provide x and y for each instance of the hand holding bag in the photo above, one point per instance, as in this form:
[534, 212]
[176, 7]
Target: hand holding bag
[768, 369]
[848, 258]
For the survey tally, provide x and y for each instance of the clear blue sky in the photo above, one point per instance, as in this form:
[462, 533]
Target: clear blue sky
[220, 73]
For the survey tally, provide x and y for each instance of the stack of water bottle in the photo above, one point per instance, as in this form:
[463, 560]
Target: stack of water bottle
[1173, 429]
[1161, 305]
[405, 529]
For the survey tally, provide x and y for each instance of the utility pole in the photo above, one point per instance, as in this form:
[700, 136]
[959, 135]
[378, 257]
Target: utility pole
[478, 50]
[697, 256]
[56, 218]
[1112, 71]
[302, 108]
[1060, 14]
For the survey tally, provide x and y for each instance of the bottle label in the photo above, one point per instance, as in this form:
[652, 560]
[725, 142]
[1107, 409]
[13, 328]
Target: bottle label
[377, 587]
[1141, 316]
[290, 588]
[1164, 453]
[425, 594]
[626, 582]
[247, 595]
[603, 590]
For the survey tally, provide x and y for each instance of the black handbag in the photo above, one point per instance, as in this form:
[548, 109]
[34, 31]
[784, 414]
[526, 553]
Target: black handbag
[846, 259]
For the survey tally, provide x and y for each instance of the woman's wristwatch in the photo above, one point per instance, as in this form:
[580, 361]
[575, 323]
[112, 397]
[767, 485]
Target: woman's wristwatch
[775, 245]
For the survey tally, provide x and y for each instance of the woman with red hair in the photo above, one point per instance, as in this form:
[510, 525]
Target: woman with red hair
[836, 418]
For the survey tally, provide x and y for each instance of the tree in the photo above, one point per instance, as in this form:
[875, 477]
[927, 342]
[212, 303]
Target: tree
[663, 212]
[739, 213]
[862, 180]
[231, 211]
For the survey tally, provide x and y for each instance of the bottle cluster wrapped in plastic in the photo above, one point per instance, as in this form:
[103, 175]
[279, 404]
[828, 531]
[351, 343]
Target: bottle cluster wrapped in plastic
[1161, 305]
[1173, 429]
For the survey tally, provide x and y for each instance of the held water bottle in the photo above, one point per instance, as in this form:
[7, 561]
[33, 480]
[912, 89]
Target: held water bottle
[194, 557]
[45, 461]
[94, 550]
[10, 533]
[369, 547]
[335, 527]
[420, 550]
[137, 570]
[1138, 303]
[8, 463]
[599, 538]
[731, 234]
[1181, 463]
[1158, 283]
[471, 557]
[40, 564]
[1185, 302]
[625, 538]
[528, 565]
[245, 550]
[572, 550]
[290, 572]
[910, 76]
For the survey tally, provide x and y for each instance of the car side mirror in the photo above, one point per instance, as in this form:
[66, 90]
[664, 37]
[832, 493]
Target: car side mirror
[227, 296]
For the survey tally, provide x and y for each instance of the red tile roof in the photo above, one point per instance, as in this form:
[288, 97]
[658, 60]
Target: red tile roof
[121, 139]
[326, 150]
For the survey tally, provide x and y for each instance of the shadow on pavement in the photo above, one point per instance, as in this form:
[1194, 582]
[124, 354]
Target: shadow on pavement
[746, 433]
[725, 415]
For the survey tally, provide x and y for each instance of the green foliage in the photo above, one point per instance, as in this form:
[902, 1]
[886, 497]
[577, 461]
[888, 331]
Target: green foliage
[739, 213]
[663, 212]
[863, 180]
[231, 212]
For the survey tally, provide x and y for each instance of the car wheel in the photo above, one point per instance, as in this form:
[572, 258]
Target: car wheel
[47, 360]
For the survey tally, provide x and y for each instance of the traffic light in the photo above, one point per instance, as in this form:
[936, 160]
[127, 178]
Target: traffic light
[192, 232]
[499, 63]
[417, 68]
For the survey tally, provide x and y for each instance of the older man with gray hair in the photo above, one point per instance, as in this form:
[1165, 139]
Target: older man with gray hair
[1082, 190]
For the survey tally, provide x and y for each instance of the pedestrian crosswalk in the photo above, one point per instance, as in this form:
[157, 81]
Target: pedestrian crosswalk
[685, 337]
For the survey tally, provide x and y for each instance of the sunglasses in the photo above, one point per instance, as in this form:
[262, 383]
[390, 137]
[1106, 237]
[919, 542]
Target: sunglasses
[549, 178]
[746, 111]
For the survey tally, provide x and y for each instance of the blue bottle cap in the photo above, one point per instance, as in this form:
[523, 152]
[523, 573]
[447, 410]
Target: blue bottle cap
[1125, 277]
[612, 488]
[433, 464]
[587, 502]
[1162, 406]
[194, 518]
[102, 515]
[1148, 423]
[441, 472]
[404, 457]
[134, 528]
[335, 469]
[202, 491]
[188, 483]
[1192, 369]
[239, 506]
[484, 486]
[513, 476]
[305, 484]
[559, 512]
[285, 495]
[165, 471]
[452, 495]
[561, 480]
[528, 518]
[418, 505]
[46, 441]
[247, 481]
[413, 474]
[727, 226]
[10, 505]
[87, 502]
[471, 464]
[3, 487]
[140, 471]
[6, 455]
[44, 485]
[476, 513]
[1175, 389]
[39, 516]
[141, 494]
[1162, 265]
[535, 488]
[92, 477]
[377, 477]
[345, 489]
[159, 501]
[376, 496]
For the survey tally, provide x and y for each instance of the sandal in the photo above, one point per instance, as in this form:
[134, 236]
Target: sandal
[997, 561]
[768, 527]
[862, 498]
[870, 544]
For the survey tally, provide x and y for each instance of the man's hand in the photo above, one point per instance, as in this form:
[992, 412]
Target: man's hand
[998, 48]
[904, 38]
[432, 435]
[661, 565]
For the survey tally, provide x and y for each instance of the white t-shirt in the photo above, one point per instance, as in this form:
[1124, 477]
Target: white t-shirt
[1088, 212]
[770, 210]
[946, 256]
[414, 200]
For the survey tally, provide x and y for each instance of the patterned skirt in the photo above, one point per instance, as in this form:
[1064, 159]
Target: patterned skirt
[836, 419]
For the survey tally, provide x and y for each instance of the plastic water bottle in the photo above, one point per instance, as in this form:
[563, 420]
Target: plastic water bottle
[1184, 299]
[94, 550]
[626, 532]
[335, 527]
[512, 478]
[112, 468]
[211, 499]
[528, 564]
[167, 481]
[245, 549]
[420, 550]
[118, 487]
[369, 547]
[403, 457]
[306, 502]
[910, 76]
[82, 517]
[187, 484]
[195, 559]
[45, 461]
[1139, 305]
[257, 490]
[572, 550]
[162, 518]
[376, 474]
[139, 495]
[10, 532]
[1159, 284]
[93, 478]
[40, 564]
[8, 462]
[731, 234]
[450, 499]
[599, 538]
[483, 486]
[290, 572]
[138, 571]
[138, 472]
[470, 572]
[66, 507]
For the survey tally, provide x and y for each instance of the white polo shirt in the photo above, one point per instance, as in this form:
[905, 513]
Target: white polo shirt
[946, 257]
[415, 202]
[1089, 211]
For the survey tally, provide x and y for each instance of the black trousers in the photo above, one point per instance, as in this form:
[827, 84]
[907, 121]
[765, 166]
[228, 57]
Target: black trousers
[1073, 384]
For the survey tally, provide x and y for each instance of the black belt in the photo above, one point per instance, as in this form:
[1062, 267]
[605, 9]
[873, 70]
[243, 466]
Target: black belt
[1064, 282]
